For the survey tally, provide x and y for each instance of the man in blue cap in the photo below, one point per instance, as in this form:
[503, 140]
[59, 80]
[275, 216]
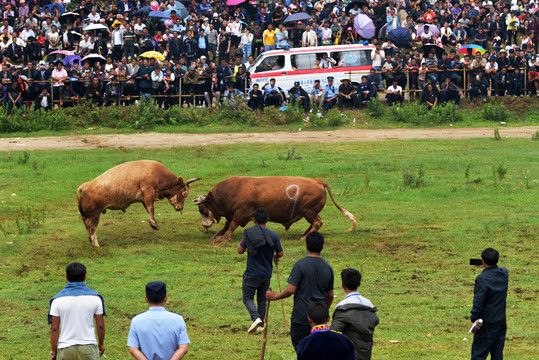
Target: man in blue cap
[157, 334]
[331, 94]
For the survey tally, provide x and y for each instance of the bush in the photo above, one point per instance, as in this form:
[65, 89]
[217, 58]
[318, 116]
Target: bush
[376, 109]
[496, 112]
[419, 114]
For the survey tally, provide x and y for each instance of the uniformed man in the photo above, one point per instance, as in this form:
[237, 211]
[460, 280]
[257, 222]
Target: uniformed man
[323, 343]
[157, 333]
[331, 94]
[274, 95]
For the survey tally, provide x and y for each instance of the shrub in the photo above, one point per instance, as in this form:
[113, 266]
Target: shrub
[412, 179]
[495, 112]
[335, 118]
[376, 109]
[445, 114]
[536, 136]
[497, 135]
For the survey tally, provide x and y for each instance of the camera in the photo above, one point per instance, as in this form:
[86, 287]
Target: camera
[476, 262]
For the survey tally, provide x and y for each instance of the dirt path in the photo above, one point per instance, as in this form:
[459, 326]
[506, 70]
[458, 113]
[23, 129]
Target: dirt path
[158, 140]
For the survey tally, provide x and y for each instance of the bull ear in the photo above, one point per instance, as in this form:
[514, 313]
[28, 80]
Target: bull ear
[191, 180]
[180, 181]
[200, 200]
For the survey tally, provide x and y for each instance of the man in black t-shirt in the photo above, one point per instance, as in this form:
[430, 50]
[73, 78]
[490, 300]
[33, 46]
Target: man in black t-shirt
[262, 247]
[311, 280]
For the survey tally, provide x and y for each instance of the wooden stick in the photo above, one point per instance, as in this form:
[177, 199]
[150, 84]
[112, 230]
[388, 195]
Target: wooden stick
[265, 330]
[282, 300]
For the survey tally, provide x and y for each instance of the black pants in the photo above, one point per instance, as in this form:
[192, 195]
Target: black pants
[393, 98]
[352, 100]
[329, 104]
[256, 103]
[117, 53]
[489, 340]
[298, 332]
[250, 286]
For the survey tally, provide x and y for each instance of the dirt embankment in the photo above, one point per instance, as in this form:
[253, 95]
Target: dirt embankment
[158, 140]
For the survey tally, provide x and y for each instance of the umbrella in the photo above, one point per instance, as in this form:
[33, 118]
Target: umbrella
[472, 48]
[68, 15]
[159, 14]
[364, 26]
[93, 58]
[432, 29]
[400, 37]
[58, 53]
[352, 3]
[298, 17]
[181, 11]
[427, 48]
[154, 54]
[96, 27]
[61, 9]
[234, 2]
[382, 34]
[71, 59]
[76, 33]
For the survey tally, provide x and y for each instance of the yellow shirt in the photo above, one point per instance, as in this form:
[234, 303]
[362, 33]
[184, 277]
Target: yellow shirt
[269, 37]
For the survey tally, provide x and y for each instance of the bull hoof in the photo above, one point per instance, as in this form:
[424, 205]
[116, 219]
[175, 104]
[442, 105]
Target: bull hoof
[97, 245]
[220, 239]
[154, 226]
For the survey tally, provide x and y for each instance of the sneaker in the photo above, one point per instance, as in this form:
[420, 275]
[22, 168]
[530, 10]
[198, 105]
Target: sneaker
[255, 325]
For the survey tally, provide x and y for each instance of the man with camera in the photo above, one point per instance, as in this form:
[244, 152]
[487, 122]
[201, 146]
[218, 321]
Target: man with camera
[489, 304]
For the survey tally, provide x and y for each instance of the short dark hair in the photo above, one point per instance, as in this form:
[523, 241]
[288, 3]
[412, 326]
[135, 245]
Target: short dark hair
[261, 215]
[490, 256]
[318, 312]
[315, 242]
[351, 278]
[75, 272]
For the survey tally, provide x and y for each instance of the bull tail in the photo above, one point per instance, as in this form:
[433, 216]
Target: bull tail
[345, 212]
[79, 201]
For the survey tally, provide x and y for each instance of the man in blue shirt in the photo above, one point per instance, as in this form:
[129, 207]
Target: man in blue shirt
[331, 94]
[157, 334]
[262, 247]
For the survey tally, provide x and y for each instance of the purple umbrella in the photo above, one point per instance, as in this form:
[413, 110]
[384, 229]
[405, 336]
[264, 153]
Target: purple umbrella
[432, 29]
[71, 59]
[364, 26]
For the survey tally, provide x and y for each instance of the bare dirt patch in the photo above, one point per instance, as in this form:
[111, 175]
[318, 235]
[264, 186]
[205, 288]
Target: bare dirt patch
[160, 140]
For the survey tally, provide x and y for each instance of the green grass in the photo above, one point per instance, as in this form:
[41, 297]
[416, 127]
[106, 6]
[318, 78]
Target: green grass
[412, 244]
[84, 120]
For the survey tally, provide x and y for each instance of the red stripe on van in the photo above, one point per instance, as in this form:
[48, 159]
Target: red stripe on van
[311, 71]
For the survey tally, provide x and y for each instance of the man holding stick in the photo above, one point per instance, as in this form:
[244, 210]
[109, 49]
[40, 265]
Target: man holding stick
[311, 280]
[262, 246]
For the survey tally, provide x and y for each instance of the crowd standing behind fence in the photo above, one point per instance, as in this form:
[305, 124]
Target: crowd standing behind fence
[177, 52]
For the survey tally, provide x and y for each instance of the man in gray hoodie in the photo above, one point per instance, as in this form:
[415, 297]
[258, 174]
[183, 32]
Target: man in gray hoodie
[355, 316]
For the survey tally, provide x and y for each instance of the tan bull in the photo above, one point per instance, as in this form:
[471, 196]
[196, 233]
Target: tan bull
[142, 181]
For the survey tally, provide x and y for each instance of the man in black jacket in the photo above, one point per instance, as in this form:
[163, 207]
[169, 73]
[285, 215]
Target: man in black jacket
[256, 98]
[489, 304]
[355, 316]
[298, 94]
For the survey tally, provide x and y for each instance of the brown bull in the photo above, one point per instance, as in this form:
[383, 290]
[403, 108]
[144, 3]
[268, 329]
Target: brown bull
[287, 199]
[142, 181]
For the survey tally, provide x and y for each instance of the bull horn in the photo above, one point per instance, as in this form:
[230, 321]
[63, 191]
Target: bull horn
[199, 200]
[192, 180]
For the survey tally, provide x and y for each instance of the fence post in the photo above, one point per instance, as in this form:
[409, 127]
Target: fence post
[525, 90]
[52, 93]
[180, 91]
[408, 85]
[464, 82]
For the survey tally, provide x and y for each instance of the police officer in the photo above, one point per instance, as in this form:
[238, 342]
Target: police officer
[489, 304]
[331, 94]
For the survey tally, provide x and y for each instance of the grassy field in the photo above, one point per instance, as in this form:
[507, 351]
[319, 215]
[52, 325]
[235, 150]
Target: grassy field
[423, 207]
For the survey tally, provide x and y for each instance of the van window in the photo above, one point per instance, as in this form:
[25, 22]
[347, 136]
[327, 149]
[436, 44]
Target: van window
[306, 61]
[270, 63]
[352, 58]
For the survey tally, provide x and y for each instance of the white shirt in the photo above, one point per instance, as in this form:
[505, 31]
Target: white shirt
[139, 28]
[395, 89]
[77, 319]
[94, 17]
[355, 298]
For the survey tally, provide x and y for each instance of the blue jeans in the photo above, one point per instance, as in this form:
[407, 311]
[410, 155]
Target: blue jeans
[247, 51]
[268, 48]
[380, 82]
[252, 284]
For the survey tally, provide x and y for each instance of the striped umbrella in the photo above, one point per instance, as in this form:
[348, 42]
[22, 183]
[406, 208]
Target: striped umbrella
[472, 48]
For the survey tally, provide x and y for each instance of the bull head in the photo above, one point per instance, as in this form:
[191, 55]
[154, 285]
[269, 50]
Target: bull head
[200, 200]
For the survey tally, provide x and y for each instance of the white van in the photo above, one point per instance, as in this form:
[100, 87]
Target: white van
[303, 65]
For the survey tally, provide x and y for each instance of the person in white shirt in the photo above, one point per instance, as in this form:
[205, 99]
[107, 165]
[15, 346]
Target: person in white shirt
[394, 94]
[26, 33]
[94, 16]
[308, 38]
[72, 314]
[246, 44]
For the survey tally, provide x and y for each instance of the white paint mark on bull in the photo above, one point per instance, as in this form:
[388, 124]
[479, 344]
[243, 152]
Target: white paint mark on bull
[292, 191]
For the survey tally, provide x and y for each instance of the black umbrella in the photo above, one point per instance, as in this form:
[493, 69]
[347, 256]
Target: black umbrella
[68, 15]
[427, 48]
[400, 37]
[360, 4]
[298, 17]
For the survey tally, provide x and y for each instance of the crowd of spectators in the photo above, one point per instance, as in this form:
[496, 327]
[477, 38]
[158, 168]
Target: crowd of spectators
[209, 46]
